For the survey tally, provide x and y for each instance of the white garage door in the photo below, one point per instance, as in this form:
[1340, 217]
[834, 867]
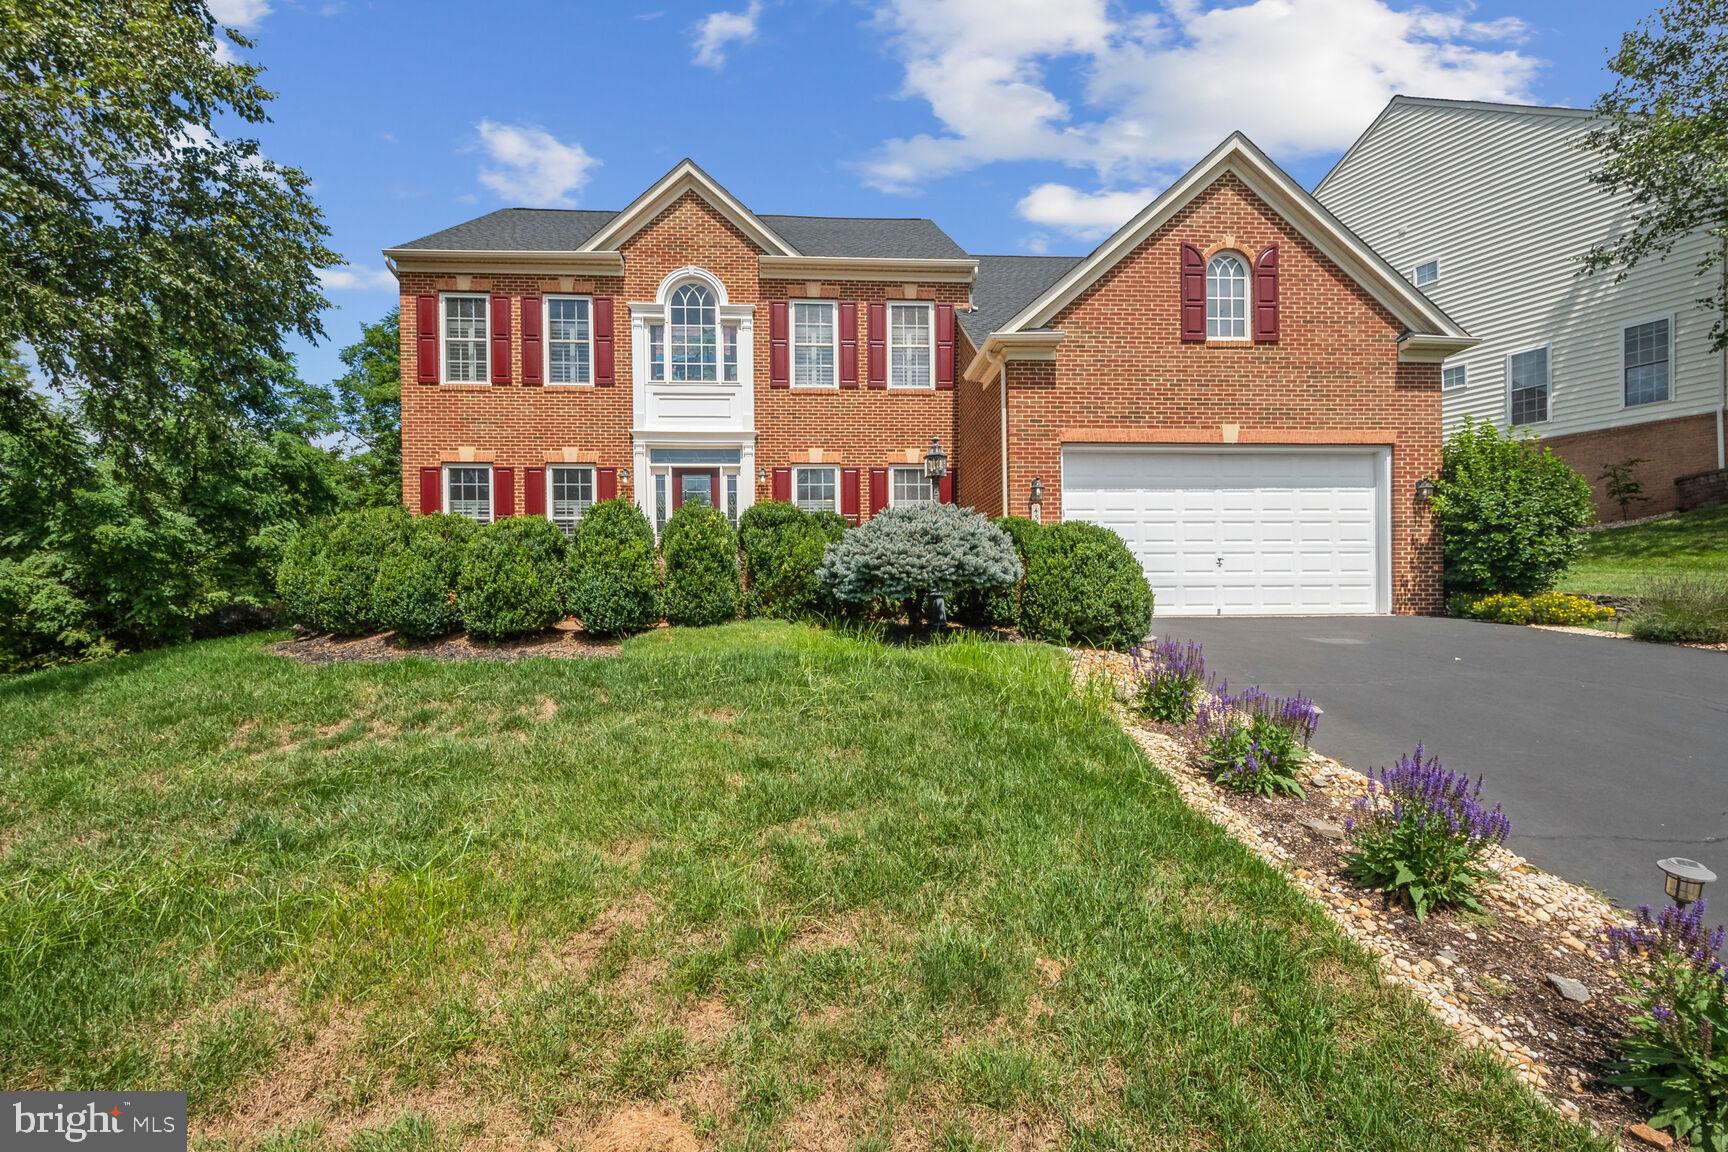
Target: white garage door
[1241, 531]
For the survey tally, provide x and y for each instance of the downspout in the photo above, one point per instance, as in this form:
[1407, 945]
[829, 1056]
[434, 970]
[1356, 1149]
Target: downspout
[1002, 378]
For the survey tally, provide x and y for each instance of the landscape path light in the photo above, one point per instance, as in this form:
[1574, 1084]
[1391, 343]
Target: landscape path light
[1685, 879]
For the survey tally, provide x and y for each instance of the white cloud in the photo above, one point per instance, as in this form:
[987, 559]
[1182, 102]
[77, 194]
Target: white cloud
[532, 167]
[1158, 88]
[357, 278]
[241, 15]
[1088, 215]
[718, 29]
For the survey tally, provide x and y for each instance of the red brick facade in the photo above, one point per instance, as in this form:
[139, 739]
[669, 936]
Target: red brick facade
[1121, 374]
[1670, 449]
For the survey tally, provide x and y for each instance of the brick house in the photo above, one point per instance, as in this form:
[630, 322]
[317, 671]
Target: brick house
[1232, 381]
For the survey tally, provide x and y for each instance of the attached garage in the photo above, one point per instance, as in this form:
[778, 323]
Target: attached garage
[1244, 531]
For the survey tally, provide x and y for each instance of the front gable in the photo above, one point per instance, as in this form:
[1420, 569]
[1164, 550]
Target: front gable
[684, 181]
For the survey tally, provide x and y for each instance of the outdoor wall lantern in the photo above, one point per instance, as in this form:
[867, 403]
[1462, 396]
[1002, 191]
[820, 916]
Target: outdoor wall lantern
[1037, 501]
[1685, 879]
[624, 475]
[935, 462]
[1424, 490]
[761, 475]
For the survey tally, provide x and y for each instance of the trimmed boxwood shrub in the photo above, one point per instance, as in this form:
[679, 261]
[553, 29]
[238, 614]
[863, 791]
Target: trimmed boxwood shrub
[415, 593]
[1083, 586]
[701, 554]
[614, 580]
[783, 546]
[327, 571]
[999, 607]
[513, 579]
[900, 556]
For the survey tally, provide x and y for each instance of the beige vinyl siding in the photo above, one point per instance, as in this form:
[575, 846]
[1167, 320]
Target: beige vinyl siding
[1501, 198]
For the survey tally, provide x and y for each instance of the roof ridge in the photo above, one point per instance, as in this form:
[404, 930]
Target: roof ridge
[1508, 106]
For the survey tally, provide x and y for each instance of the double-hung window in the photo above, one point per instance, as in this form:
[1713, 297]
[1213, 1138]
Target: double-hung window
[911, 345]
[465, 339]
[910, 486]
[569, 492]
[1646, 356]
[468, 491]
[569, 340]
[814, 356]
[1527, 386]
[816, 489]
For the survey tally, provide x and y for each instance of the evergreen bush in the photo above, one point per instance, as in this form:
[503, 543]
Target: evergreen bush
[415, 593]
[783, 547]
[614, 580]
[1083, 586]
[327, 571]
[512, 580]
[999, 607]
[701, 552]
[900, 556]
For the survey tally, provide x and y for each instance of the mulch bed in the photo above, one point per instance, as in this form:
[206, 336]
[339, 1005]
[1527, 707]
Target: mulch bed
[1484, 975]
[564, 642]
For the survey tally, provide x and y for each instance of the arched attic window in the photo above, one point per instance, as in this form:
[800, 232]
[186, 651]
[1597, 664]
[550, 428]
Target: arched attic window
[1227, 297]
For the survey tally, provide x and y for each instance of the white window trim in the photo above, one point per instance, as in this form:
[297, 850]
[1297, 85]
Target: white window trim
[546, 339]
[1620, 361]
[444, 335]
[833, 307]
[491, 488]
[888, 337]
[832, 469]
[1247, 336]
[593, 483]
[935, 486]
[1416, 273]
[1462, 369]
[1548, 363]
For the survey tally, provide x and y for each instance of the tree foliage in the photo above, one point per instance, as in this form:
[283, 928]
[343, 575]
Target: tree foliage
[1663, 141]
[369, 410]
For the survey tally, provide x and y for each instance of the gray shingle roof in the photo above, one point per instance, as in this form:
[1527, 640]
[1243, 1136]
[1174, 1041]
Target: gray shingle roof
[1005, 285]
[566, 229]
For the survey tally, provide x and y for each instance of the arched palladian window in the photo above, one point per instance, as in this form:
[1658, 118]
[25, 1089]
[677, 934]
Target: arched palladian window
[693, 330]
[1227, 297]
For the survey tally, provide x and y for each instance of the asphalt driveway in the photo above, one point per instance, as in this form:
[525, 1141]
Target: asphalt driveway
[1608, 754]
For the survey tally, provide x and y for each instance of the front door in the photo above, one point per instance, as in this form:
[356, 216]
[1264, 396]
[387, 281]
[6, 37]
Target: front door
[698, 485]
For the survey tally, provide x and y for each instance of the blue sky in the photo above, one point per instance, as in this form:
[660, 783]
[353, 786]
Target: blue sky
[1018, 126]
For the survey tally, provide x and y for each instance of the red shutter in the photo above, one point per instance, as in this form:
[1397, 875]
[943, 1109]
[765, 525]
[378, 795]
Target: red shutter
[503, 493]
[500, 339]
[849, 493]
[431, 489]
[878, 490]
[534, 492]
[532, 357]
[782, 488]
[1193, 295]
[944, 345]
[945, 487]
[426, 338]
[1266, 296]
[779, 375]
[878, 347]
[849, 354]
[603, 370]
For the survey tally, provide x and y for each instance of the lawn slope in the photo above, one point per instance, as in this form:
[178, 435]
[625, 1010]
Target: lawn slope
[753, 886]
[1617, 561]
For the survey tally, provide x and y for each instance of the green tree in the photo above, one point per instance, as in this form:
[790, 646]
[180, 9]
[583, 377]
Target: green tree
[369, 405]
[1663, 141]
[153, 267]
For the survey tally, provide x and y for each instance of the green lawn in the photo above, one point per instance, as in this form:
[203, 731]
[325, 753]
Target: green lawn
[757, 886]
[1616, 561]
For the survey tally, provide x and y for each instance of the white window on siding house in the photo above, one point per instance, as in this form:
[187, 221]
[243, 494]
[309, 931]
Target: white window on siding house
[814, 358]
[911, 345]
[1453, 376]
[1226, 297]
[569, 340]
[1527, 386]
[1647, 354]
[1426, 274]
[465, 340]
[570, 492]
[910, 486]
[816, 489]
[468, 492]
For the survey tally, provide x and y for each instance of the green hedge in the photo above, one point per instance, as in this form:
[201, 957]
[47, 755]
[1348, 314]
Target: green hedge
[614, 579]
[1083, 586]
[701, 552]
[512, 581]
[782, 547]
[327, 571]
[999, 607]
[415, 593]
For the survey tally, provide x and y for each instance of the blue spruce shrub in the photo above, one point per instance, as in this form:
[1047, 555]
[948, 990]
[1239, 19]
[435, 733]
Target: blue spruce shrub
[900, 556]
[614, 578]
[1083, 586]
[701, 552]
[513, 579]
[415, 593]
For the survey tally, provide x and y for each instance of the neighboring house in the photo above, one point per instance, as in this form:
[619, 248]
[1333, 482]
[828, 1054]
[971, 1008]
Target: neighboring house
[1233, 381]
[1488, 209]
